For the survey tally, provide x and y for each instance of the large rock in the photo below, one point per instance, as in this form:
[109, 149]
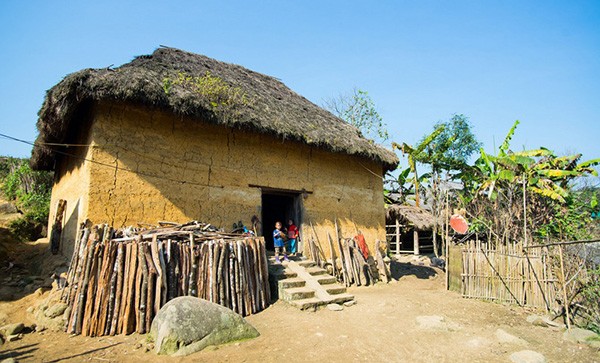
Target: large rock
[578, 335]
[527, 356]
[186, 325]
[55, 310]
[12, 329]
[505, 337]
[436, 322]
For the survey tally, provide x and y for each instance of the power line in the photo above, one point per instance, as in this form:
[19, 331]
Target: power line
[113, 166]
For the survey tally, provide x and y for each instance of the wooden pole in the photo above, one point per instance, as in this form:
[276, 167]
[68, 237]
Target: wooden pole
[446, 243]
[398, 243]
[415, 242]
[564, 287]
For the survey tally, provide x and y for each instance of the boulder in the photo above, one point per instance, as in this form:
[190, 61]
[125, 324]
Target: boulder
[12, 329]
[8, 208]
[335, 307]
[527, 356]
[578, 335]
[505, 337]
[53, 324]
[55, 310]
[436, 322]
[186, 325]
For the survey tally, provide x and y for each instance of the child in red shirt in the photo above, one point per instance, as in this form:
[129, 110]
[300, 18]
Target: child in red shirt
[292, 234]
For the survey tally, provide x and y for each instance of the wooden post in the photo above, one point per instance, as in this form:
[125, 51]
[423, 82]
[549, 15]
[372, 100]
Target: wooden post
[398, 243]
[564, 286]
[416, 242]
[446, 245]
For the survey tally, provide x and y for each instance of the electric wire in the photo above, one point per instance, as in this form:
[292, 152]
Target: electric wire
[117, 168]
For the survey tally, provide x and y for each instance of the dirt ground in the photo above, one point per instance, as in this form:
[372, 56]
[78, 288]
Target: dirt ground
[382, 326]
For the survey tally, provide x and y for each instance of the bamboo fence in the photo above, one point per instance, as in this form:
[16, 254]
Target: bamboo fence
[508, 274]
[118, 280]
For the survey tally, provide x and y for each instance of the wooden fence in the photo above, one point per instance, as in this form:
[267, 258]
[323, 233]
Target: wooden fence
[505, 273]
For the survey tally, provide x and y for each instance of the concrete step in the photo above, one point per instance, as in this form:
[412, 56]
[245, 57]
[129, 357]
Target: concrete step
[340, 298]
[335, 289]
[303, 304]
[307, 263]
[326, 279]
[279, 272]
[315, 270]
[291, 282]
[297, 293]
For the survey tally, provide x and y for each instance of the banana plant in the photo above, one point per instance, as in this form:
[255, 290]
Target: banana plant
[413, 154]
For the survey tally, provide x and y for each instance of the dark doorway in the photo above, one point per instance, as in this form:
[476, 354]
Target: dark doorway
[279, 206]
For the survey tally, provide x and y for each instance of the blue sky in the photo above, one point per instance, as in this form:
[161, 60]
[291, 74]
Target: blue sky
[420, 61]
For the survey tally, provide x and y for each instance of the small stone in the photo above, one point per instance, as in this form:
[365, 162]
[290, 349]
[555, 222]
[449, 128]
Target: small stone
[9, 360]
[527, 356]
[39, 292]
[335, 307]
[578, 335]
[436, 322]
[350, 303]
[505, 337]
[138, 346]
[12, 329]
[14, 337]
[30, 310]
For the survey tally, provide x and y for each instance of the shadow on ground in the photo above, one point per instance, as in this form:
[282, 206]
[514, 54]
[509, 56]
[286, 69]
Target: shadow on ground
[403, 269]
[26, 266]
[20, 353]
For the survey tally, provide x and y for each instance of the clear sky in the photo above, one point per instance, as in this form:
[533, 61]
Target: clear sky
[421, 61]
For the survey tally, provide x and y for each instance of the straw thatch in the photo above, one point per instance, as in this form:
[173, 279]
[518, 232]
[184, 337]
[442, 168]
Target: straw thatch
[410, 216]
[272, 108]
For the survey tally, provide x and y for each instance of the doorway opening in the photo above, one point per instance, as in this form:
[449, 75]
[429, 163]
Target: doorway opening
[279, 206]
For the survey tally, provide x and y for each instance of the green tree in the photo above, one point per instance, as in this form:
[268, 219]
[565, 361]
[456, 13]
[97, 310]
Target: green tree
[358, 109]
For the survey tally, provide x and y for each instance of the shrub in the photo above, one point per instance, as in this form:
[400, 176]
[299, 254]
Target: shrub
[30, 190]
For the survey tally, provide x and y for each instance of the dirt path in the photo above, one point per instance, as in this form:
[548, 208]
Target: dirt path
[382, 326]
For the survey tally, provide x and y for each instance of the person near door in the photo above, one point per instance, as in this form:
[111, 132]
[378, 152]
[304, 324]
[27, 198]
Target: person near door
[279, 243]
[292, 234]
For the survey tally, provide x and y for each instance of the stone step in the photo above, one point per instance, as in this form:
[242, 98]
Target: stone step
[297, 293]
[335, 289]
[307, 263]
[340, 298]
[291, 282]
[326, 279]
[315, 270]
[279, 272]
[303, 304]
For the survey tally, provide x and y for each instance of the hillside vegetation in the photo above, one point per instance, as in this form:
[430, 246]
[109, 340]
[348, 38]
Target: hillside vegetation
[29, 191]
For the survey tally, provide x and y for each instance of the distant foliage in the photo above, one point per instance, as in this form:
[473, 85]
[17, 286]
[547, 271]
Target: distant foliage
[358, 109]
[30, 191]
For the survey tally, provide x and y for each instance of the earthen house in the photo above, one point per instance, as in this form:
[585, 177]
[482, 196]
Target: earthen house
[178, 136]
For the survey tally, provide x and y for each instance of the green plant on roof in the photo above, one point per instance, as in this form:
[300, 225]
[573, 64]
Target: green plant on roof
[214, 89]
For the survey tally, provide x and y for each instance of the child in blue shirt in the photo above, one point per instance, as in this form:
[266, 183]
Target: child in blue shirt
[279, 243]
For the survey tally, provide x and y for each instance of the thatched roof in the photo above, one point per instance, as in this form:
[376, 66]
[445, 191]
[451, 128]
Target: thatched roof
[410, 215]
[272, 107]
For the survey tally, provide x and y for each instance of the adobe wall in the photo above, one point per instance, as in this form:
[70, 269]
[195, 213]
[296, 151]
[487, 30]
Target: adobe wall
[71, 183]
[152, 166]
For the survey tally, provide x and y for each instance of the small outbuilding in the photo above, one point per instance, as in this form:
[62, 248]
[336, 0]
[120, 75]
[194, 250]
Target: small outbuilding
[177, 136]
[409, 229]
